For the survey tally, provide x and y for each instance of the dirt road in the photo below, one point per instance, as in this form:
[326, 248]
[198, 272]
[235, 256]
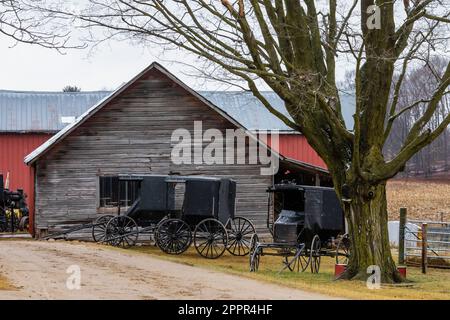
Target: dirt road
[39, 270]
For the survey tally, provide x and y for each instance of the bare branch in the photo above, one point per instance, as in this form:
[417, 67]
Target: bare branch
[25, 23]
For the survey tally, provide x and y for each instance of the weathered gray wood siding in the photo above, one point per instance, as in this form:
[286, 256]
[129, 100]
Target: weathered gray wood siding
[132, 134]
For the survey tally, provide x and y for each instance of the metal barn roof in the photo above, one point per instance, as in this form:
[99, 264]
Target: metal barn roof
[252, 114]
[248, 110]
[22, 111]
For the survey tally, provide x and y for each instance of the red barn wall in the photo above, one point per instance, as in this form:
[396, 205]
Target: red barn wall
[13, 149]
[296, 147]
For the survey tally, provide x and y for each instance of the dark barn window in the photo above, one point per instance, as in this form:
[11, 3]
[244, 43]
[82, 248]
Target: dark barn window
[109, 192]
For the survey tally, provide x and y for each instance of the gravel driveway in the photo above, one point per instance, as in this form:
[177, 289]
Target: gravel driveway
[39, 270]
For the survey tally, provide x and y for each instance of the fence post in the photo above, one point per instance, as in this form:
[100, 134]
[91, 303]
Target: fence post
[424, 248]
[401, 237]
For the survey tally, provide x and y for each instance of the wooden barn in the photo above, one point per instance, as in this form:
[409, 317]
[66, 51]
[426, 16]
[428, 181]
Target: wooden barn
[129, 132]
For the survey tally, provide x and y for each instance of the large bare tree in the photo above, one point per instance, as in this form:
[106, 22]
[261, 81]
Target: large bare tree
[294, 48]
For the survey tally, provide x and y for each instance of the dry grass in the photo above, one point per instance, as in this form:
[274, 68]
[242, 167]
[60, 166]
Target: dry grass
[434, 285]
[423, 199]
[4, 284]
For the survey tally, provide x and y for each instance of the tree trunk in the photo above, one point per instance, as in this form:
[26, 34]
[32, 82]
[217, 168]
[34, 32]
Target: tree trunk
[367, 219]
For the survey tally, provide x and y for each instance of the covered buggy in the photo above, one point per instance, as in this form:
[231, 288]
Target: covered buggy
[305, 222]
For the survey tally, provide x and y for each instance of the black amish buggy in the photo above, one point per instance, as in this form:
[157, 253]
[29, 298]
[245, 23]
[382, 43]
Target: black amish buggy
[13, 209]
[206, 217]
[306, 222]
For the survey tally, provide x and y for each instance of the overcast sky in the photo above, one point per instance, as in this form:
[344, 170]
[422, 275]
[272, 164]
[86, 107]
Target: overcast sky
[32, 68]
[29, 67]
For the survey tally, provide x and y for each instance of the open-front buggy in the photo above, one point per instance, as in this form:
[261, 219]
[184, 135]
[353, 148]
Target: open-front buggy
[13, 209]
[306, 223]
[178, 211]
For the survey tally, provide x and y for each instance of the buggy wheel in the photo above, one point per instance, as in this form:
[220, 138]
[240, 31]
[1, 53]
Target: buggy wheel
[343, 249]
[99, 228]
[121, 231]
[155, 234]
[24, 223]
[315, 254]
[3, 220]
[240, 234]
[173, 236]
[210, 238]
[255, 253]
[299, 262]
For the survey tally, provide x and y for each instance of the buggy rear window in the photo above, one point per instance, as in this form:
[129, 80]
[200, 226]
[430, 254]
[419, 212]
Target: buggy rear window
[109, 192]
[292, 200]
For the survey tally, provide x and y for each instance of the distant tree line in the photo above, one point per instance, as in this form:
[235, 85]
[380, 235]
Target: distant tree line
[419, 85]
[70, 88]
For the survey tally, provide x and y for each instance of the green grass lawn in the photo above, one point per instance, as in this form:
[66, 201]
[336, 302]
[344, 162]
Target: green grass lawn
[434, 285]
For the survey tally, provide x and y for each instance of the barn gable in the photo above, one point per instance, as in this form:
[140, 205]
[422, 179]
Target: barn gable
[154, 68]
